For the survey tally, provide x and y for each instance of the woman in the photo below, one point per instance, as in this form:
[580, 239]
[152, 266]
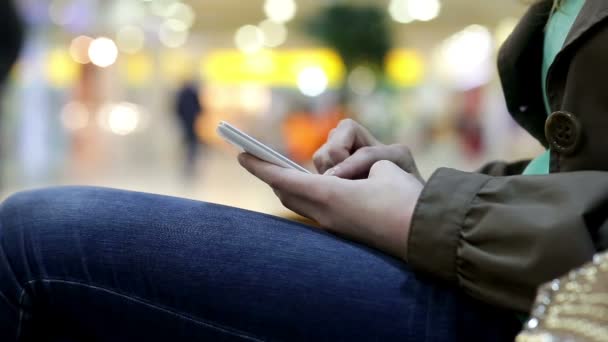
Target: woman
[454, 258]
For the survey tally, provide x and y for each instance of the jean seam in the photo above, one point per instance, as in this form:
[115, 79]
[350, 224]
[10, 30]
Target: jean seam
[197, 320]
[19, 322]
[11, 269]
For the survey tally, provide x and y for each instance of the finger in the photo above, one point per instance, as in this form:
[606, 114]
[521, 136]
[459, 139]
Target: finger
[353, 134]
[341, 142]
[359, 164]
[406, 161]
[271, 174]
[308, 186]
[321, 160]
[331, 132]
[329, 155]
[347, 137]
[301, 206]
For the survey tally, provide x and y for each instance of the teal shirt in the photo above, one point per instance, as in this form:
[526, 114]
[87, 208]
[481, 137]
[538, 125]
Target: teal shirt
[557, 30]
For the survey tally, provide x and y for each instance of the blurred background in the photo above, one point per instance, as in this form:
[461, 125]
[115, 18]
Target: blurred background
[127, 93]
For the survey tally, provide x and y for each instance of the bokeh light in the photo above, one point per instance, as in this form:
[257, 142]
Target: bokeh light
[398, 10]
[312, 81]
[405, 67]
[464, 58]
[255, 99]
[62, 71]
[160, 7]
[182, 12]
[126, 12]
[173, 33]
[280, 10]
[407, 11]
[79, 49]
[362, 80]
[130, 39]
[75, 116]
[249, 39]
[275, 34]
[424, 10]
[103, 52]
[120, 118]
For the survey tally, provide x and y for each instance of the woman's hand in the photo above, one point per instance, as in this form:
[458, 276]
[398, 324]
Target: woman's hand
[376, 211]
[351, 150]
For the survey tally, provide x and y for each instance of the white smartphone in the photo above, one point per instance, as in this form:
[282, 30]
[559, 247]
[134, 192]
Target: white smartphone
[246, 143]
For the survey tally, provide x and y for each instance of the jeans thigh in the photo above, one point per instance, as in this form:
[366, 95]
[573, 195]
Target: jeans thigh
[112, 265]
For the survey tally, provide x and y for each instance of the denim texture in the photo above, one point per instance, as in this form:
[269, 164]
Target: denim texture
[94, 264]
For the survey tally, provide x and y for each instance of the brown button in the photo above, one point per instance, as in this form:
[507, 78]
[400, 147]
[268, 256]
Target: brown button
[563, 132]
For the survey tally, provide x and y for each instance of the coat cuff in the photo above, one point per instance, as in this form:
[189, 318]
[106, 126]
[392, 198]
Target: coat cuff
[435, 231]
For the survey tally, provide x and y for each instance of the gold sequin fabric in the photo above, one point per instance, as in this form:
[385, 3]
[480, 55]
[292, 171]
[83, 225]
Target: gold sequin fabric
[572, 308]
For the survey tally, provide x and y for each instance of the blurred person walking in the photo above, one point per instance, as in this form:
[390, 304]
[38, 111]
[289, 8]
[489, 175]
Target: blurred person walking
[188, 110]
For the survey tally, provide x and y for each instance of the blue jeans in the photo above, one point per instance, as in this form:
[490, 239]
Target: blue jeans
[91, 264]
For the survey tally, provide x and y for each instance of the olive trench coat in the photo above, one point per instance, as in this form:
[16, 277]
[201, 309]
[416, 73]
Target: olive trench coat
[499, 234]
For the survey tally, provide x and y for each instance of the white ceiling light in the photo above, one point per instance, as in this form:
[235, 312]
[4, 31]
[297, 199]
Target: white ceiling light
[423, 10]
[103, 52]
[122, 13]
[249, 39]
[275, 33]
[160, 7]
[280, 10]
[123, 119]
[182, 12]
[398, 10]
[312, 81]
[120, 118]
[173, 33]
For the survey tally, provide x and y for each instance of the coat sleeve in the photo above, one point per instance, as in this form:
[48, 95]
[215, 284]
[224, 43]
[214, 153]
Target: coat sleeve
[500, 237]
[500, 168]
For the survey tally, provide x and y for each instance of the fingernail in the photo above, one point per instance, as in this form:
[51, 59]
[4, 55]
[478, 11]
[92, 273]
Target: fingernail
[331, 171]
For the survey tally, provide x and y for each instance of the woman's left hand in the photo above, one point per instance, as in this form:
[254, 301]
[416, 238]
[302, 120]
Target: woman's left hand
[376, 211]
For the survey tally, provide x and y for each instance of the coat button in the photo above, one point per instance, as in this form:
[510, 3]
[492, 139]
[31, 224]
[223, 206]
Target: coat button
[563, 132]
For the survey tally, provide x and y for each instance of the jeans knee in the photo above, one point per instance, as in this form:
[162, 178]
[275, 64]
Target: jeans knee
[26, 211]
[16, 210]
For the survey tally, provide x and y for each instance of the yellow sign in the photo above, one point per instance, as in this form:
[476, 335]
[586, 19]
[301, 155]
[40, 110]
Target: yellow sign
[405, 68]
[274, 68]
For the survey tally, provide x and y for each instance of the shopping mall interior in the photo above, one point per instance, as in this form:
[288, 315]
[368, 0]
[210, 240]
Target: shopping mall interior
[128, 93]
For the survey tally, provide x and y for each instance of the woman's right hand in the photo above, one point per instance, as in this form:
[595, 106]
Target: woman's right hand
[351, 150]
